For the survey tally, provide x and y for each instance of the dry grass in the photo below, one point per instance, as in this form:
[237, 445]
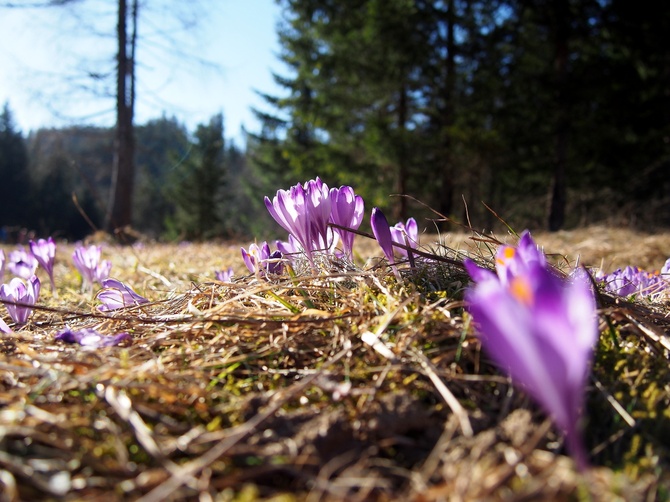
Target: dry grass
[347, 385]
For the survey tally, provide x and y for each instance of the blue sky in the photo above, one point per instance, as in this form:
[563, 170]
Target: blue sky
[229, 49]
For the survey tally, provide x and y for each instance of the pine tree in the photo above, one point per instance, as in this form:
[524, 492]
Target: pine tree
[195, 186]
[15, 183]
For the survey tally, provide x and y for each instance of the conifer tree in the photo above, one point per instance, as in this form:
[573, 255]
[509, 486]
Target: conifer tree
[14, 177]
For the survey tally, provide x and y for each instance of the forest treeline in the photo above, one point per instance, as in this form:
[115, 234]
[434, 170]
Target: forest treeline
[553, 113]
[188, 184]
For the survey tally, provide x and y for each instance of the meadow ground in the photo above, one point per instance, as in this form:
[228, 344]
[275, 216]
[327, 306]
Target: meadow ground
[342, 385]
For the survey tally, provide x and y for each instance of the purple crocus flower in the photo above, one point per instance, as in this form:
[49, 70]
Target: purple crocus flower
[382, 232]
[540, 329]
[89, 337]
[304, 211]
[260, 260]
[18, 291]
[22, 263]
[347, 211]
[44, 252]
[406, 234]
[224, 275]
[117, 295]
[92, 269]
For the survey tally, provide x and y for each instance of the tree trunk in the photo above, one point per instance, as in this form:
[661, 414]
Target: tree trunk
[119, 213]
[559, 189]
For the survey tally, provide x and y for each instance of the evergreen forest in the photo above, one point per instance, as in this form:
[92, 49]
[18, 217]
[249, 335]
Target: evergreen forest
[547, 114]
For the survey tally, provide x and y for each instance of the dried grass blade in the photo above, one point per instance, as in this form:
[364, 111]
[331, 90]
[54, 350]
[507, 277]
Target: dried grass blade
[444, 391]
[122, 405]
[648, 332]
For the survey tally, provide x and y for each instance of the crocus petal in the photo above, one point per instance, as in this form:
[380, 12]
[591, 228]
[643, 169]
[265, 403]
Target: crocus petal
[382, 232]
[3, 327]
[2, 265]
[249, 259]
[347, 210]
[477, 273]
[289, 247]
[666, 269]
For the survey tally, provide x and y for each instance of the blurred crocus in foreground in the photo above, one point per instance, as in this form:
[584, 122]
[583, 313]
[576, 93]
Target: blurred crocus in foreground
[91, 267]
[90, 338]
[18, 291]
[540, 329]
[117, 295]
[44, 252]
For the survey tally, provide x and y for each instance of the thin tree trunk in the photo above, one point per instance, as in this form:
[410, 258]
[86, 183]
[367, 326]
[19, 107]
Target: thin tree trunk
[559, 189]
[119, 213]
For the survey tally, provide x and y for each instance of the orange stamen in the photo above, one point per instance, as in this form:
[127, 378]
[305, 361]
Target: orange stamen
[520, 289]
[506, 255]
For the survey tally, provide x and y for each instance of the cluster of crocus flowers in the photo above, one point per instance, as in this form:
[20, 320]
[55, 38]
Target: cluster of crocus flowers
[540, 329]
[303, 211]
[306, 210]
[117, 295]
[260, 260]
[631, 281]
[87, 260]
[19, 298]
